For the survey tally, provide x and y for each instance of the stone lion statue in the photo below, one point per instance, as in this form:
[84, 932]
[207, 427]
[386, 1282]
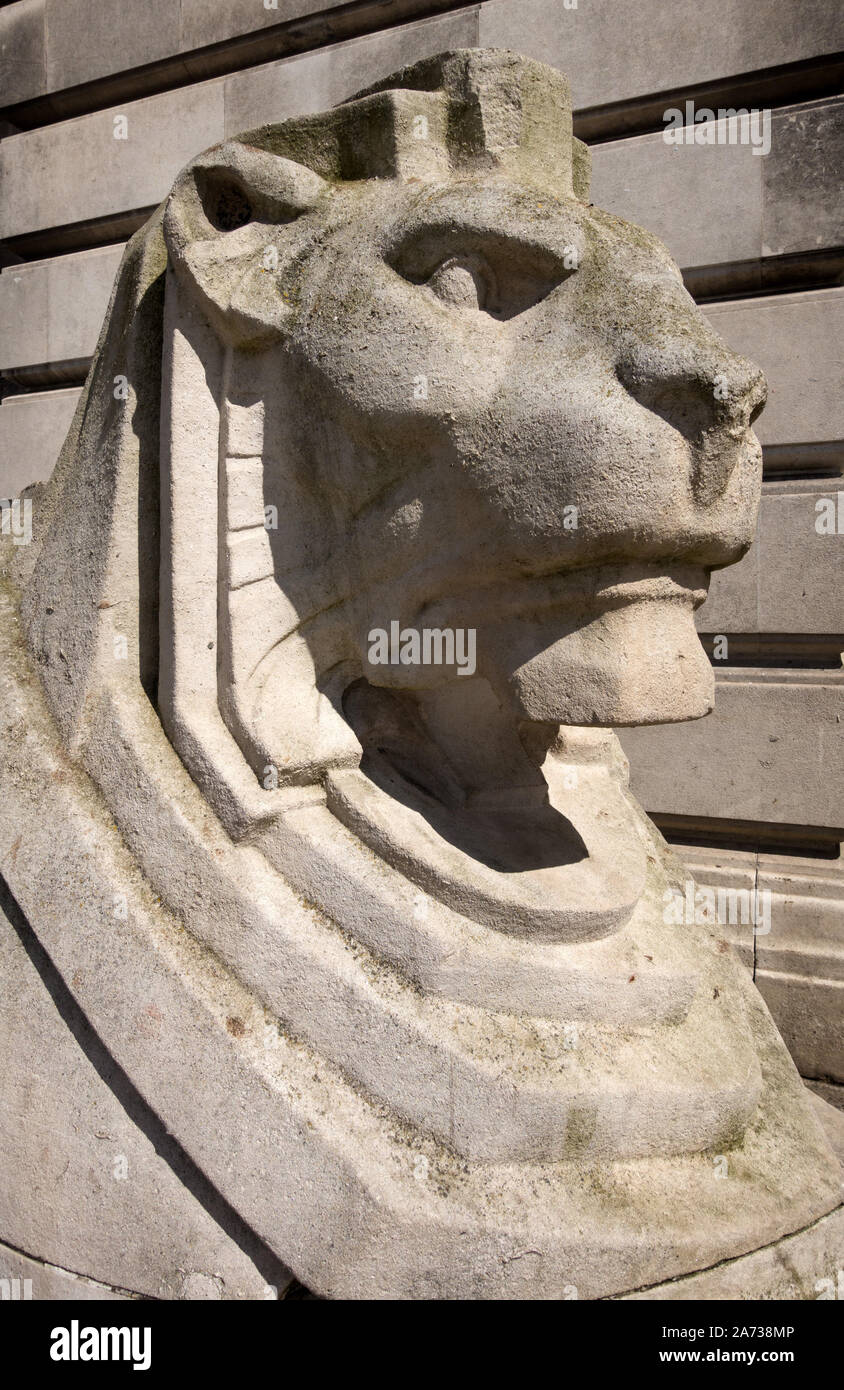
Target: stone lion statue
[398, 476]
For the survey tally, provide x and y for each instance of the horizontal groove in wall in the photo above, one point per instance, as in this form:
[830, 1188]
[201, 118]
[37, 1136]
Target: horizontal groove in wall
[788, 650]
[759, 837]
[77, 236]
[821, 459]
[20, 380]
[304, 34]
[766, 275]
[772, 676]
[808, 80]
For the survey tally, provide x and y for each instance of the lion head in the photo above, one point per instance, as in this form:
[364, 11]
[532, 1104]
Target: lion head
[412, 381]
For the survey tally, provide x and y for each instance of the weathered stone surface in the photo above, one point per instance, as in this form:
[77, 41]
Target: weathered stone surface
[99, 1167]
[30, 1278]
[801, 1267]
[409, 940]
[832, 1121]
[54, 310]
[365, 1265]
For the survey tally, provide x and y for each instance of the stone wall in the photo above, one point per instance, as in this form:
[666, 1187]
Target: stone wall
[104, 103]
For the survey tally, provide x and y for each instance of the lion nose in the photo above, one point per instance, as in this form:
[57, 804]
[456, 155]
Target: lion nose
[711, 397]
[744, 392]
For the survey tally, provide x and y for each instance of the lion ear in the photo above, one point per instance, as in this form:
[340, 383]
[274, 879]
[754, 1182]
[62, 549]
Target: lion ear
[233, 227]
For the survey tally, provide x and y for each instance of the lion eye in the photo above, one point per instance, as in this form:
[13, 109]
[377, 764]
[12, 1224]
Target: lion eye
[464, 282]
[232, 209]
[224, 202]
[469, 270]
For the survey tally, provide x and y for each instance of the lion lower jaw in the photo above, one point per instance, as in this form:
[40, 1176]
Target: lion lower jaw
[639, 663]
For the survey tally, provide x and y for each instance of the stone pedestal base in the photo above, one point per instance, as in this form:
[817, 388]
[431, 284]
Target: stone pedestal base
[320, 1179]
[804, 1266]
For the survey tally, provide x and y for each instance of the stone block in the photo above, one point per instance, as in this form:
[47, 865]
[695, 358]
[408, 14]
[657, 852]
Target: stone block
[52, 310]
[87, 41]
[24, 308]
[808, 1012]
[78, 169]
[32, 431]
[22, 50]
[664, 49]
[756, 205]
[802, 205]
[807, 919]
[206, 21]
[646, 181]
[771, 750]
[790, 580]
[797, 950]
